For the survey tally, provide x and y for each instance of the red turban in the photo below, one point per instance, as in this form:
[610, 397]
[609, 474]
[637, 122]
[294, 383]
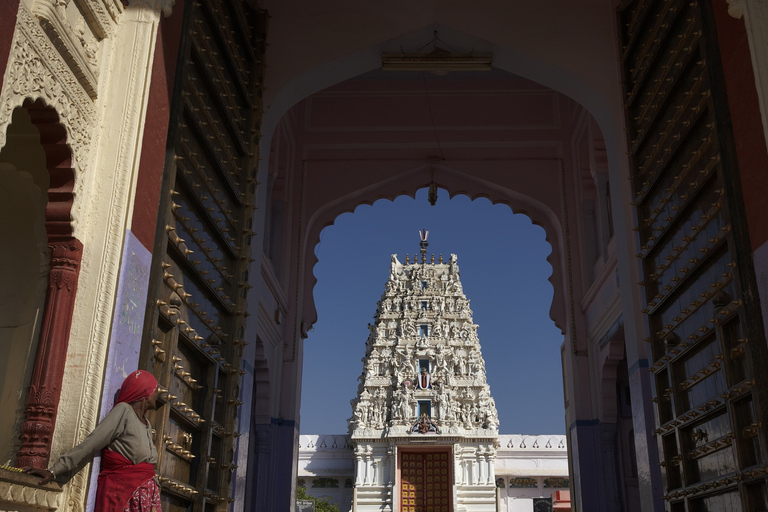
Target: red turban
[137, 385]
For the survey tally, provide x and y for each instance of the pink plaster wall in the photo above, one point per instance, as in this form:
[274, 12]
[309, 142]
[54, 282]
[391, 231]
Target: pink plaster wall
[382, 135]
[745, 121]
[314, 45]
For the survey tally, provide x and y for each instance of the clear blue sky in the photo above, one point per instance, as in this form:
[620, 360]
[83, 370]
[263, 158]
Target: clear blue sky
[504, 270]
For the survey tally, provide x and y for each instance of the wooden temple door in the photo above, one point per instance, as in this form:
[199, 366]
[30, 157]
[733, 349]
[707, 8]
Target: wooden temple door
[707, 348]
[425, 482]
[195, 322]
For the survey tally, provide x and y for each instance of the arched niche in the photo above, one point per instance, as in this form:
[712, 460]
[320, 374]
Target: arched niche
[37, 179]
[24, 182]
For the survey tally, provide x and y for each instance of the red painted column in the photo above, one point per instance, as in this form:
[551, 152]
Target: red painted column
[746, 121]
[153, 147]
[45, 388]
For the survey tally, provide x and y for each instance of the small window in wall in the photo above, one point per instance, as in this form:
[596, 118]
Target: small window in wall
[423, 285]
[425, 407]
[423, 305]
[423, 331]
[542, 504]
[423, 365]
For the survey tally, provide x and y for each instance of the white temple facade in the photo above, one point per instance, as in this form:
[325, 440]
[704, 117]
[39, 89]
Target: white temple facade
[424, 431]
[531, 472]
[424, 427]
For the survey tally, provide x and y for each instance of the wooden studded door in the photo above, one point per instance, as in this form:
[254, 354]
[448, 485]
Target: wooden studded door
[425, 482]
[699, 286]
[199, 282]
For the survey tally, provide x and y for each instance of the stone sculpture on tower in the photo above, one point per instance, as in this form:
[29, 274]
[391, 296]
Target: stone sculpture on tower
[424, 425]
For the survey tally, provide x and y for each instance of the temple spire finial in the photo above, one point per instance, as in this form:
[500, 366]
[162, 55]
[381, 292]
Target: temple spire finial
[423, 234]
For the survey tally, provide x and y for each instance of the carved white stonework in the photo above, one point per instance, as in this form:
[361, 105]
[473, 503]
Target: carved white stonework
[330, 458]
[73, 36]
[755, 14]
[423, 354]
[103, 15]
[15, 497]
[54, 43]
[424, 317]
[36, 70]
[111, 193]
[16, 493]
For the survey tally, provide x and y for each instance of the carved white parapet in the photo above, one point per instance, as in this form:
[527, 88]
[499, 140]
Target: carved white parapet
[19, 492]
[755, 14]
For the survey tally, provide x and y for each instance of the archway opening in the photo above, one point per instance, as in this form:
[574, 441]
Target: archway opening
[498, 136]
[504, 270]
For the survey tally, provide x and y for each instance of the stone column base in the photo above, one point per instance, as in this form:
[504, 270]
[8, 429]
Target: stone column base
[19, 492]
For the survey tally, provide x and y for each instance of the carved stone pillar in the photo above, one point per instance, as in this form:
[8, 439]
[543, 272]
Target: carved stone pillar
[48, 372]
[459, 470]
[360, 472]
[368, 470]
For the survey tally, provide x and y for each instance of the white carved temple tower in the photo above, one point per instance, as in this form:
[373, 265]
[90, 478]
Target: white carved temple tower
[424, 426]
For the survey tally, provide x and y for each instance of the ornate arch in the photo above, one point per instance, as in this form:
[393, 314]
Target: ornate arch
[456, 183]
[38, 78]
[58, 161]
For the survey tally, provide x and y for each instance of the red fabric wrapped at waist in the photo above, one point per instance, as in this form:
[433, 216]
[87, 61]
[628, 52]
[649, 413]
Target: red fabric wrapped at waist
[118, 480]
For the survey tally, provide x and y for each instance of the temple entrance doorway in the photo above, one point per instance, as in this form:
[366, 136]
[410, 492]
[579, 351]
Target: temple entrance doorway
[425, 480]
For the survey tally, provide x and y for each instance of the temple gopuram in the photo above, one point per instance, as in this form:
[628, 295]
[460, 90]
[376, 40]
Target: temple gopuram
[424, 431]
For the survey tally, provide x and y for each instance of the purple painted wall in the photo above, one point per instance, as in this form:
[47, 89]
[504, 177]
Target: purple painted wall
[761, 272]
[125, 339]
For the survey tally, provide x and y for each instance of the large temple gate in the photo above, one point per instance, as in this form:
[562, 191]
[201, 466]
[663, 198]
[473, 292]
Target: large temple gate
[707, 343]
[425, 480]
[194, 329]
